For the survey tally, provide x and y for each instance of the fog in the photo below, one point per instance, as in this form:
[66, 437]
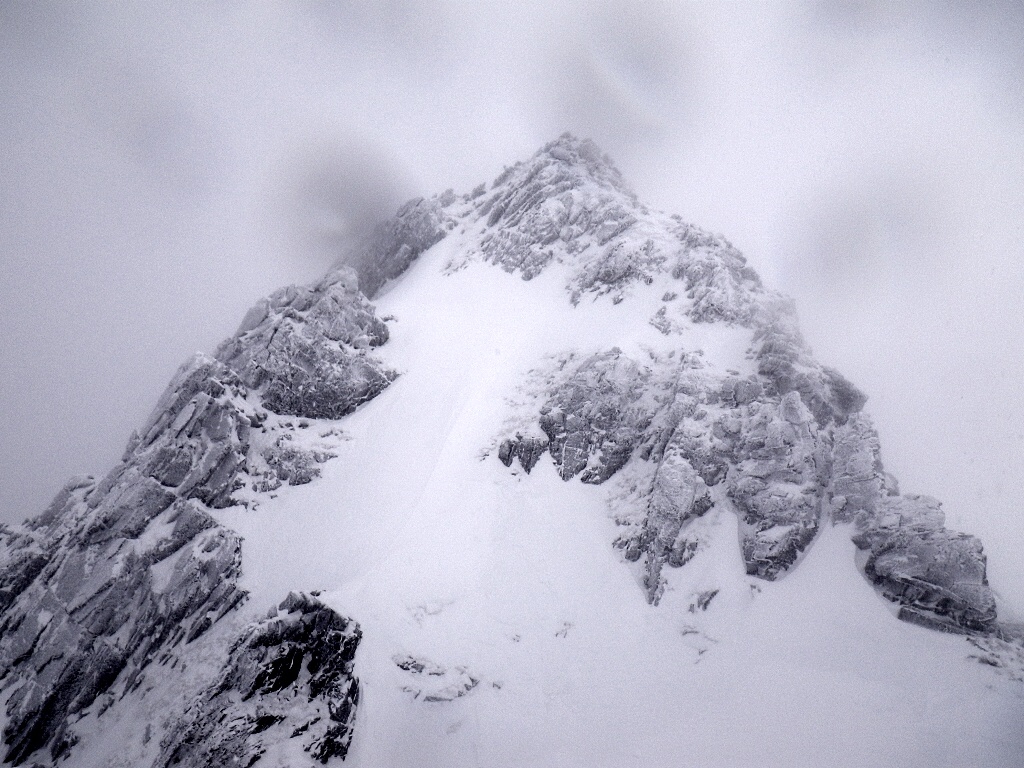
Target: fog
[163, 167]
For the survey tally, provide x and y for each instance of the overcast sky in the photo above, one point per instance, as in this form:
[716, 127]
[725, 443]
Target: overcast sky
[166, 164]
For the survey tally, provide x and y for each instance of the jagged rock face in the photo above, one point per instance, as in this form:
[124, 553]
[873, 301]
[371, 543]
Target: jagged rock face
[936, 575]
[396, 243]
[701, 440]
[198, 436]
[288, 677]
[786, 365]
[594, 418]
[760, 452]
[568, 204]
[786, 449]
[305, 350]
[129, 573]
[118, 573]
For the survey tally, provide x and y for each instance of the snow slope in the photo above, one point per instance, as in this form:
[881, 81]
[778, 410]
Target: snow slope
[526, 637]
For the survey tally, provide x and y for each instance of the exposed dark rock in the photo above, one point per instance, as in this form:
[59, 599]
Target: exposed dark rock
[595, 418]
[120, 572]
[193, 444]
[99, 610]
[936, 575]
[395, 244]
[527, 449]
[305, 350]
[288, 676]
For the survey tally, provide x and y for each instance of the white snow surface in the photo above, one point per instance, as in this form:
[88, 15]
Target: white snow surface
[510, 585]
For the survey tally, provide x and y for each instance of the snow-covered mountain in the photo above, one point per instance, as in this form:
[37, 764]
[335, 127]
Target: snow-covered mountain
[572, 492]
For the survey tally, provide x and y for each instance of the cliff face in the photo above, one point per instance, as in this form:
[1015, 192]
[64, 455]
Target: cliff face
[787, 446]
[119, 572]
[688, 393]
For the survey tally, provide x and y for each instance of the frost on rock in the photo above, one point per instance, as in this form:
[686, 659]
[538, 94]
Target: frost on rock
[937, 576]
[396, 243]
[198, 436]
[594, 417]
[118, 573]
[287, 677]
[433, 682]
[568, 204]
[306, 350]
[567, 194]
[719, 283]
[786, 449]
[703, 439]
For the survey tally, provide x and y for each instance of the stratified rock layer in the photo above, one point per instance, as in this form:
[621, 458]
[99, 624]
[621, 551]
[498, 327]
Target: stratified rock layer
[287, 677]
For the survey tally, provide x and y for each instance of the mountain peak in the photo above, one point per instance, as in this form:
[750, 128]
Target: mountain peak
[567, 160]
[466, 486]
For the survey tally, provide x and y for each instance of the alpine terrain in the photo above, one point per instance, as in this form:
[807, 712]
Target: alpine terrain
[572, 491]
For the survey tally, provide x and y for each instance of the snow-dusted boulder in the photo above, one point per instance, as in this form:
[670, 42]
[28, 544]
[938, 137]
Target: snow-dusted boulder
[288, 681]
[306, 350]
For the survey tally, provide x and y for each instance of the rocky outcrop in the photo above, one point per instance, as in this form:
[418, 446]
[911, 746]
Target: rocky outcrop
[120, 572]
[123, 571]
[594, 417]
[569, 204]
[198, 436]
[719, 284]
[284, 462]
[787, 448]
[786, 458]
[936, 575]
[288, 677]
[567, 194]
[117, 572]
[395, 244]
[305, 351]
[528, 450]
[785, 364]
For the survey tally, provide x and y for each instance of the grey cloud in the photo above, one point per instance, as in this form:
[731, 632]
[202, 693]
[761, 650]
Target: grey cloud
[619, 74]
[338, 189]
